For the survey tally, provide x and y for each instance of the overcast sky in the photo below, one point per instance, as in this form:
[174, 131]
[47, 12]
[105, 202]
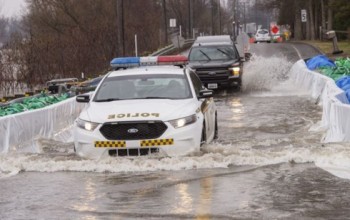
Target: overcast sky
[11, 8]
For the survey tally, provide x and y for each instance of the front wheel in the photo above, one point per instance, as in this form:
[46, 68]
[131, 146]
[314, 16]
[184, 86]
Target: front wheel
[204, 135]
[216, 130]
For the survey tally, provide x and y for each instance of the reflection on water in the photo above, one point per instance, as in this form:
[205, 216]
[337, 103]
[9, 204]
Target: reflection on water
[87, 199]
[185, 203]
[205, 199]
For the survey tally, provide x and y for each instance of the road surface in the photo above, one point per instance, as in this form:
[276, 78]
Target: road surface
[263, 166]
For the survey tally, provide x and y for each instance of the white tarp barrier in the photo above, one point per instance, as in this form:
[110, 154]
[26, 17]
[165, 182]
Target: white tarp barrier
[336, 108]
[21, 131]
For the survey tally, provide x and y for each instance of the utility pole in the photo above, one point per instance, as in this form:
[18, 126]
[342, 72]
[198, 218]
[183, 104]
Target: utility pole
[120, 16]
[235, 24]
[212, 17]
[244, 20]
[256, 14]
[190, 21]
[219, 17]
[165, 23]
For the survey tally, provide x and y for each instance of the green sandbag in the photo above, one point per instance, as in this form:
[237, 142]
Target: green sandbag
[342, 69]
[31, 103]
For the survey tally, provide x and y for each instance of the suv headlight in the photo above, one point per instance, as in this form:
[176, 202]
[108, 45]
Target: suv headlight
[86, 125]
[181, 122]
[235, 70]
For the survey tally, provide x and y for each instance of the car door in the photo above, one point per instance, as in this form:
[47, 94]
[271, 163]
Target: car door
[207, 106]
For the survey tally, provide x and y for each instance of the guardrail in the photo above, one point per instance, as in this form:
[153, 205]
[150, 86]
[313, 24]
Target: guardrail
[171, 48]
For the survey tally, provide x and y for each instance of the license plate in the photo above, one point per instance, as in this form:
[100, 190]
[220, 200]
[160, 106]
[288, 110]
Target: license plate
[212, 85]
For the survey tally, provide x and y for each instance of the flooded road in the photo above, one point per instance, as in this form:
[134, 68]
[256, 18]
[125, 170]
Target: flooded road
[265, 164]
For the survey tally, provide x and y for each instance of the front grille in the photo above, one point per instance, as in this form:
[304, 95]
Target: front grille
[221, 74]
[132, 152]
[133, 130]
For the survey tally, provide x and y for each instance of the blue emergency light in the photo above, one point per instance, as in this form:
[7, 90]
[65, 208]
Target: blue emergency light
[125, 62]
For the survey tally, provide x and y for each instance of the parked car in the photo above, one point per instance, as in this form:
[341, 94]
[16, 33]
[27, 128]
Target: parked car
[216, 61]
[262, 35]
[56, 85]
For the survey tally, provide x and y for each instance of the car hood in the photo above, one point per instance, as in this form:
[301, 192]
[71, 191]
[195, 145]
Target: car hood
[139, 110]
[211, 63]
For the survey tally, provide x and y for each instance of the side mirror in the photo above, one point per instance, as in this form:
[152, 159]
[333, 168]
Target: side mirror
[205, 93]
[83, 98]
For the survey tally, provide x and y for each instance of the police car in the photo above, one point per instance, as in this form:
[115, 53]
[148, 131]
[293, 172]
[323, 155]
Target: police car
[146, 105]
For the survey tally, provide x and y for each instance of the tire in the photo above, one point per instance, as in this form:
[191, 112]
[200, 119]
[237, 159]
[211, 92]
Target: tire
[216, 130]
[239, 84]
[204, 135]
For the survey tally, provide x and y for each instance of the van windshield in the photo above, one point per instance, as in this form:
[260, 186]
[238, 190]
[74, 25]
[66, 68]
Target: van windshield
[208, 53]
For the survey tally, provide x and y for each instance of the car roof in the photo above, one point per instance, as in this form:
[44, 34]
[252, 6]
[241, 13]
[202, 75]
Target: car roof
[148, 70]
[214, 39]
[212, 44]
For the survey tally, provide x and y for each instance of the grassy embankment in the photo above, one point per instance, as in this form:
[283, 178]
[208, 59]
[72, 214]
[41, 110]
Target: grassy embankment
[327, 47]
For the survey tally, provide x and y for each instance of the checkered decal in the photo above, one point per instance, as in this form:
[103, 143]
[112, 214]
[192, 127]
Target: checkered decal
[157, 142]
[110, 144]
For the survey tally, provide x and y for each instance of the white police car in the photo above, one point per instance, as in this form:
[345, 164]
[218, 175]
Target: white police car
[146, 109]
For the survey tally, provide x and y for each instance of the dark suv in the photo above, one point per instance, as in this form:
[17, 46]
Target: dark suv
[216, 61]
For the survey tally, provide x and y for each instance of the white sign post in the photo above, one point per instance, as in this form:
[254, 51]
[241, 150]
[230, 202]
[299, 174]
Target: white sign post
[303, 15]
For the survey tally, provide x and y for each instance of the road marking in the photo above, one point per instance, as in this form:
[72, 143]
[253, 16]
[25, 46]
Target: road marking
[297, 51]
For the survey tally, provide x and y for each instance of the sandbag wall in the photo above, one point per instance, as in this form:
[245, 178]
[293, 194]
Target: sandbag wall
[21, 131]
[336, 108]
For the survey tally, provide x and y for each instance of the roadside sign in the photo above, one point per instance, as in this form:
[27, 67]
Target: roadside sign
[275, 29]
[303, 15]
[172, 22]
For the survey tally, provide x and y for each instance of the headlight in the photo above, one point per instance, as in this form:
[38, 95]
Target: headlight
[86, 125]
[181, 122]
[235, 71]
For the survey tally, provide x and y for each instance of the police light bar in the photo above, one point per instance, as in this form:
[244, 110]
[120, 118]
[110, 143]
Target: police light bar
[123, 62]
[148, 61]
[172, 60]
[127, 62]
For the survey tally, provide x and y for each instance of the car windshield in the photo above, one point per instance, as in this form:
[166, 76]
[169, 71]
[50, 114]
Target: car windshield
[204, 53]
[156, 86]
[263, 32]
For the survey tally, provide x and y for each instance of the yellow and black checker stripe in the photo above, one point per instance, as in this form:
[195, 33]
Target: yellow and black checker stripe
[103, 144]
[157, 142]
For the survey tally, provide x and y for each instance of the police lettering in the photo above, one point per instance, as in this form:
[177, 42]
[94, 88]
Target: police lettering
[133, 115]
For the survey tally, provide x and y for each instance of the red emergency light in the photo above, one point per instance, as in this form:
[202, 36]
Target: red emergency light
[172, 60]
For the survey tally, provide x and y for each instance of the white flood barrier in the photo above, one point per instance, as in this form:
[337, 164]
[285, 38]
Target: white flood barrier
[336, 108]
[20, 132]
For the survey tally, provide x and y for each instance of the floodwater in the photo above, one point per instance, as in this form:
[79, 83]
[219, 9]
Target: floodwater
[268, 163]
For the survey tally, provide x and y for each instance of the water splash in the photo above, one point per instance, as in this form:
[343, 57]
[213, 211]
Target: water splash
[263, 74]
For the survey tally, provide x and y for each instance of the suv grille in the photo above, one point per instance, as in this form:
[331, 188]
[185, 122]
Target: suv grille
[133, 130]
[221, 74]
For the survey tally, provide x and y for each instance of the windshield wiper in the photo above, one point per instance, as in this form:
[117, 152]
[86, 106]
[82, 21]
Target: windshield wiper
[205, 54]
[224, 52]
[107, 100]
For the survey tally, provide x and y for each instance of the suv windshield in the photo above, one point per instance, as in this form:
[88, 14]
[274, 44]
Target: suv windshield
[143, 87]
[208, 53]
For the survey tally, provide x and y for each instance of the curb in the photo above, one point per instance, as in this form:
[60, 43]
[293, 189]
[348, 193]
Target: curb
[305, 43]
